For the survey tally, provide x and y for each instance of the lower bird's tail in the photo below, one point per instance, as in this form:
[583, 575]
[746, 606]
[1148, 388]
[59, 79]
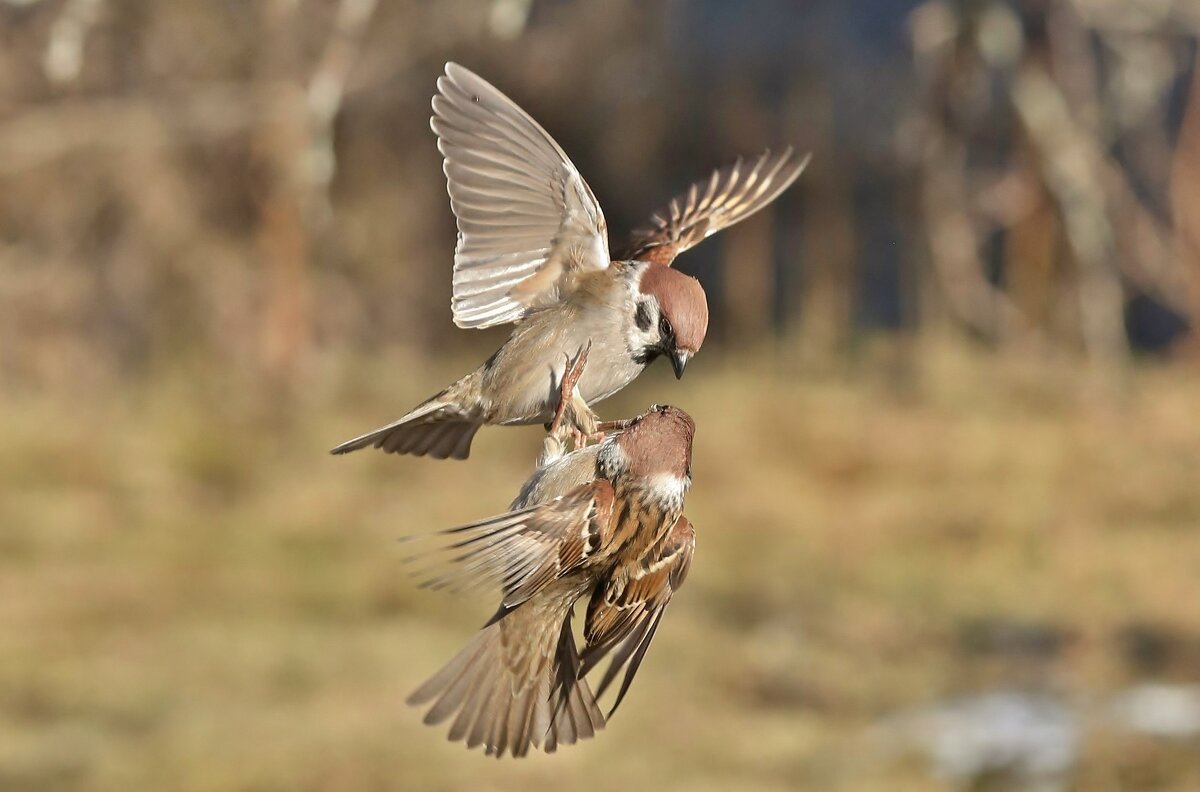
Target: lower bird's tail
[437, 429]
[515, 685]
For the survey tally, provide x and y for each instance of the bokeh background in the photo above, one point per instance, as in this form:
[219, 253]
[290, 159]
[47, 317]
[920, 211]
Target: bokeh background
[948, 463]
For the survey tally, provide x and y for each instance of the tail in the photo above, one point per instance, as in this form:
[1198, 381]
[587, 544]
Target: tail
[514, 685]
[437, 429]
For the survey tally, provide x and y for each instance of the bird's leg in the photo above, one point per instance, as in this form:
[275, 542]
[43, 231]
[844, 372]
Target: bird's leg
[584, 428]
[569, 401]
[566, 387]
[605, 428]
[602, 429]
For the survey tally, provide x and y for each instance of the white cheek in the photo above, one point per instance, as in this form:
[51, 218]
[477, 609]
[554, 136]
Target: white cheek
[668, 487]
[639, 339]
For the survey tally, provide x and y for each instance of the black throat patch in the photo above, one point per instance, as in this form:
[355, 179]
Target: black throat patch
[647, 355]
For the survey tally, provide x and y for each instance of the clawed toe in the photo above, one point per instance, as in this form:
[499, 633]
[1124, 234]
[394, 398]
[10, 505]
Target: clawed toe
[573, 420]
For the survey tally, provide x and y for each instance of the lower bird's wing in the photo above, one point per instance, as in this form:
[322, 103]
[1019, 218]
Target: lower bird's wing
[624, 613]
[520, 551]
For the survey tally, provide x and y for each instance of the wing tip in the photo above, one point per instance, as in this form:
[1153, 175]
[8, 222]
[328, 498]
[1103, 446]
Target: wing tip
[803, 162]
[786, 154]
[797, 165]
[354, 444]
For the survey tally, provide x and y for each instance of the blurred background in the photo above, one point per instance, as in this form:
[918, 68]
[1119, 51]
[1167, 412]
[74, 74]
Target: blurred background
[947, 474]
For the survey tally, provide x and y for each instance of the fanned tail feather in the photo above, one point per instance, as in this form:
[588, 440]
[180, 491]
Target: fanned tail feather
[435, 429]
[515, 685]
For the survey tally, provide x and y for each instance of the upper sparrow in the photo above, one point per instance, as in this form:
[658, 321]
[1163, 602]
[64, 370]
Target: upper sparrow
[533, 250]
[605, 521]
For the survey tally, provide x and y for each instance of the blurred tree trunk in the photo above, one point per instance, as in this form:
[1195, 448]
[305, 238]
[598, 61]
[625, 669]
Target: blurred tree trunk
[1032, 246]
[747, 253]
[1185, 199]
[827, 283]
[285, 334]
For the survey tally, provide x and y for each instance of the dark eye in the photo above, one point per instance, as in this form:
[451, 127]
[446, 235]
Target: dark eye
[642, 316]
[664, 327]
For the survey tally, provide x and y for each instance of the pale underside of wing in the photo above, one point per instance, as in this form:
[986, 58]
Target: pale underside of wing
[623, 617]
[528, 224]
[519, 552]
[729, 196]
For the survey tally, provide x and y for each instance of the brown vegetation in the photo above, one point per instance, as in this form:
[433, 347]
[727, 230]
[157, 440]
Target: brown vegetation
[225, 246]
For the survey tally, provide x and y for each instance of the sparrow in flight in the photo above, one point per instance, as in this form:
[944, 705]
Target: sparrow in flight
[604, 522]
[533, 250]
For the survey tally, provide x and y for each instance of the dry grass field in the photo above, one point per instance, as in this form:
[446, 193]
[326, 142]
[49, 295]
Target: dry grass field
[947, 470]
[195, 596]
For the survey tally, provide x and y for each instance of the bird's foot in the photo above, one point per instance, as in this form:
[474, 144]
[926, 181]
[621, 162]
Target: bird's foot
[570, 406]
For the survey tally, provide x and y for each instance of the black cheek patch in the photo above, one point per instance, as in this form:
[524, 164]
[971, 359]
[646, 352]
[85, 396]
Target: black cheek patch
[642, 316]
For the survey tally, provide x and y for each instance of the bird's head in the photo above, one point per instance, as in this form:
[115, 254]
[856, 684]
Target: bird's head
[670, 316]
[656, 450]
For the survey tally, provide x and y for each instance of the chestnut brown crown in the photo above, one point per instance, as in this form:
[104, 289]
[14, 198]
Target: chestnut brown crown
[683, 304]
[659, 441]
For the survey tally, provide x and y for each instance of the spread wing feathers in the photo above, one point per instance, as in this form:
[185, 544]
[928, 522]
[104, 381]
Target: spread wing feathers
[624, 614]
[528, 224]
[730, 195]
[437, 428]
[515, 685]
[576, 714]
[520, 551]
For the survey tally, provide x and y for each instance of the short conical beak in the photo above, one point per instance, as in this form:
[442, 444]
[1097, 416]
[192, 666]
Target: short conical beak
[679, 362]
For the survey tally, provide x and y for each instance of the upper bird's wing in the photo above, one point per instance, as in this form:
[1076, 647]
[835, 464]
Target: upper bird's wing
[623, 616]
[730, 195]
[522, 550]
[528, 224]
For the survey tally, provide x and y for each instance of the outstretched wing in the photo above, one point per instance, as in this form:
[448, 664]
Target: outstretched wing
[528, 224]
[624, 614]
[521, 551]
[730, 195]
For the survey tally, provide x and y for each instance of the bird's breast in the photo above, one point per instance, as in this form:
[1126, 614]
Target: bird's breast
[521, 382]
[609, 369]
